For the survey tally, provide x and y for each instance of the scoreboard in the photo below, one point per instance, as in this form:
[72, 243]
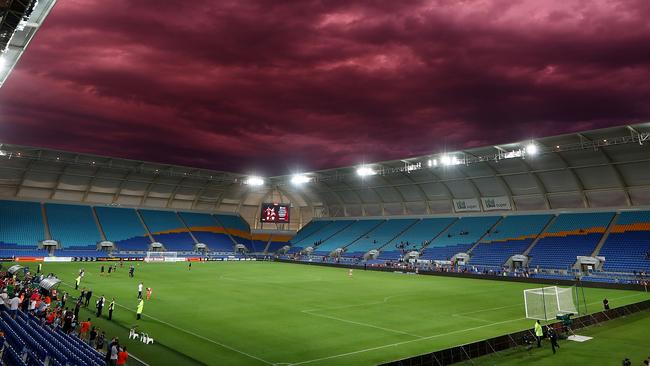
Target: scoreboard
[277, 213]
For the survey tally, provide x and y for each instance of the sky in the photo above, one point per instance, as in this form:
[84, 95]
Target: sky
[275, 87]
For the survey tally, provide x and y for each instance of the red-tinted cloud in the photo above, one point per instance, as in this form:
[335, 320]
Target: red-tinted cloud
[273, 86]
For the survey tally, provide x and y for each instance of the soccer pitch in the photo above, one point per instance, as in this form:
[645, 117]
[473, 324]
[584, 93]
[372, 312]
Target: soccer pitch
[264, 313]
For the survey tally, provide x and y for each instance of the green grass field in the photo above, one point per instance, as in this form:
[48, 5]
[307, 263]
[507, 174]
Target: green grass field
[257, 313]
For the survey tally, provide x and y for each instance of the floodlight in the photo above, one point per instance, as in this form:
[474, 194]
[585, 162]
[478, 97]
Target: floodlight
[449, 160]
[531, 149]
[365, 171]
[298, 179]
[254, 181]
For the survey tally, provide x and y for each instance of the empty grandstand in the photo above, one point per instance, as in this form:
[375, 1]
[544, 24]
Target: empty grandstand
[124, 227]
[569, 236]
[513, 235]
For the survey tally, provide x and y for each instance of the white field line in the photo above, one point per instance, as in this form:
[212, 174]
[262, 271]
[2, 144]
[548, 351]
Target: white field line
[361, 324]
[404, 342]
[194, 334]
[471, 318]
[137, 359]
[385, 300]
[439, 335]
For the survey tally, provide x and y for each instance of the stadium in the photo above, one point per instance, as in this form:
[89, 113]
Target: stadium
[532, 251]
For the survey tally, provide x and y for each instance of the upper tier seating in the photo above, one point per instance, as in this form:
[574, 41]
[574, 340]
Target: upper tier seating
[379, 236]
[166, 228]
[238, 228]
[569, 236]
[627, 248]
[352, 232]
[459, 237]
[208, 231]
[21, 224]
[123, 227]
[511, 236]
[415, 237]
[72, 225]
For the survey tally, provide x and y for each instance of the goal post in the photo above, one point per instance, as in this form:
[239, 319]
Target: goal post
[162, 257]
[546, 303]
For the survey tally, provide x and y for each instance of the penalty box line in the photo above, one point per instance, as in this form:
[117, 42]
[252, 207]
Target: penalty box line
[436, 335]
[404, 342]
[192, 333]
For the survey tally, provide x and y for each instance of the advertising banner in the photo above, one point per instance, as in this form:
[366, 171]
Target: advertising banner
[467, 205]
[496, 203]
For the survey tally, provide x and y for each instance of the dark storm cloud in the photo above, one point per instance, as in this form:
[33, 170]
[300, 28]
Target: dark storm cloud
[273, 86]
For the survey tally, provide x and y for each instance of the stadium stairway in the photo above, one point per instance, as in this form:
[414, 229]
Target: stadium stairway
[602, 241]
[72, 225]
[512, 235]
[415, 237]
[237, 228]
[123, 227]
[571, 235]
[324, 234]
[356, 230]
[31, 344]
[308, 230]
[627, 249]
[165, 227]
[534, 242]
[207, 230]
[459, 237]
[378, 236]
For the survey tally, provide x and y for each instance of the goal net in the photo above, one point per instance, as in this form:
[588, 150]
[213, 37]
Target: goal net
[161, 257]
[547, 303]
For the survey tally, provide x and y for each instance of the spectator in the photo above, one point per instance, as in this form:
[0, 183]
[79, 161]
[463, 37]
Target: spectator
[13, 305]
[114, 351]
[122, 356]
[93, 337]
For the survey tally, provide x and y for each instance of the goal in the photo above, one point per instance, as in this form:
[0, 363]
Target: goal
[546, 303]
[161, 257]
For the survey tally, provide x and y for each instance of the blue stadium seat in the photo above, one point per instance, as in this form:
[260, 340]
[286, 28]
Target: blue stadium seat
[379, 236]
[238, 228]
[123, 227]
[21, 225]
[72, 225]
[208, 230]
[166, 228]
[459, 237]
[353, 231]
[628, 245]
[569, 236]
[513, 235]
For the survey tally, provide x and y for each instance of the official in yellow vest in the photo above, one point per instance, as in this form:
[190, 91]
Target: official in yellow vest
[539, 333]
[140, 308]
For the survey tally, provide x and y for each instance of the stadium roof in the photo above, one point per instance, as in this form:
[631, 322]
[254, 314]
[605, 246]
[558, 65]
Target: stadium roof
[592, 169]
[23, 35]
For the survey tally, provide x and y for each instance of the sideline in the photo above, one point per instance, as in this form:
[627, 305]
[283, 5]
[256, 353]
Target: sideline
[191, 333]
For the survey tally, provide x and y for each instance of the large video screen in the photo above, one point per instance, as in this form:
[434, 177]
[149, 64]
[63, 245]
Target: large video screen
[275, 212]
